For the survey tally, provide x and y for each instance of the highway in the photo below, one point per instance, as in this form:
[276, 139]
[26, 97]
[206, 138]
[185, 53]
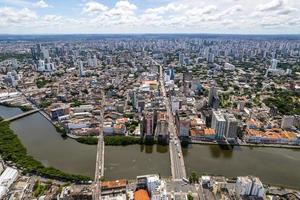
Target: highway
[99, 170]
[177, 162]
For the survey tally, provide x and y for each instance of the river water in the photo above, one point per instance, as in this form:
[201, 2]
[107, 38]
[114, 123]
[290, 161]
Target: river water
[272, 165]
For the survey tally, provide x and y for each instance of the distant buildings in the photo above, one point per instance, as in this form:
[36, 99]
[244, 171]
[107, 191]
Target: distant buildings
[45, 67]
[228, 66]
[81, 69]
[181, 59]
[11, 78]
[274, 64]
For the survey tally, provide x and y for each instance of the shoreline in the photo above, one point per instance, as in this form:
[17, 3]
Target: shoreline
[15, 154]
[250, 145]
[63, 133]
[81, 140]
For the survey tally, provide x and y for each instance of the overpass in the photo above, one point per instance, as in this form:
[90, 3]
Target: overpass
[177, 162]
[24, 114]
[99, 170]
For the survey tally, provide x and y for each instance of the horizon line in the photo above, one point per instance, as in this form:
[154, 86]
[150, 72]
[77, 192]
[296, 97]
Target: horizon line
[163, 33]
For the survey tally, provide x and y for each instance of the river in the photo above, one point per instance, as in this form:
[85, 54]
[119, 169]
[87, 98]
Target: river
[272, 165]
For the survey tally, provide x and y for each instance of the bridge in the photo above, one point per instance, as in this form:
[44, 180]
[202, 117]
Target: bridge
[21, 115]
[177, 162]
[99, 170]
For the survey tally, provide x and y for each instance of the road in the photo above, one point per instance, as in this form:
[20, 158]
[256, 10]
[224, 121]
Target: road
[99, 170]
[176, 156]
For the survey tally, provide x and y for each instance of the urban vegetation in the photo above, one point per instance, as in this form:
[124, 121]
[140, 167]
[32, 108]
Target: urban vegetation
[11, 149]
[41, 82]
[5, 56]
[287, 102]
[190, 197]
[111, 140]
[39, 189]
[45, 103]
[131, 126]
[194, 177]
[61, 130]
[23, 108]
[76, 103]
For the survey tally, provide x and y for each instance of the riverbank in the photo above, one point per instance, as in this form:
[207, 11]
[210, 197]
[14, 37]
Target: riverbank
[249, 145]
[12, 150]
[112, 140]
[23, 108]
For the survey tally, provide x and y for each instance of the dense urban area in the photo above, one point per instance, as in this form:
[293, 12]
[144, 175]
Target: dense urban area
[170, 90]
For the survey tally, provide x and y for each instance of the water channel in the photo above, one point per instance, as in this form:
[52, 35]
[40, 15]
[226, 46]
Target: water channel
[272, 165]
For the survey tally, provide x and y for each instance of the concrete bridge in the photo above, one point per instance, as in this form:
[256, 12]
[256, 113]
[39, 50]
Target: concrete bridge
[177, 162]
[99, 170]
[21, 115]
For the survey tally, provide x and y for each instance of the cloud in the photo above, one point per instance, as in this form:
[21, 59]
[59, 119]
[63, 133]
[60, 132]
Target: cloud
[41, 4]
[271, 6]
[171, 7]
[52, 18]
[125, 5]
[11, 15]
[155, 16]
[94, 7]
[25, 3]
[286, 11]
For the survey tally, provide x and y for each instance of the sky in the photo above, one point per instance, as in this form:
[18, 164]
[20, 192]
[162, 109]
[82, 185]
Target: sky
[149, 16]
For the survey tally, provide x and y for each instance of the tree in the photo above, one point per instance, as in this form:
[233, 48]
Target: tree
[190, 197]
[194, 178]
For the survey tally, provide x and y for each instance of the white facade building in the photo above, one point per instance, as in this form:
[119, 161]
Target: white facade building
[7, 178]
[249, 186]
[218, 124]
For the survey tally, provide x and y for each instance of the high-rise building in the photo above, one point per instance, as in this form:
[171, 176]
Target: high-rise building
[11, 78]
[212, 96]
[148, 124]
[249, 186]
[38, 50]
[231, 126]
[181, 58]
[14, 63]
[218, 123]
[45, 54]
[81, 69]
[41, 66]
[45, 67]
[93, 62]
[274, 64]
[211, 58]
[162, 132]
[183, 125]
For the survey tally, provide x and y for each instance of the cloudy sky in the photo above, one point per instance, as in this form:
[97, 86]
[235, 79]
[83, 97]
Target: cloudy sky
[149, 16]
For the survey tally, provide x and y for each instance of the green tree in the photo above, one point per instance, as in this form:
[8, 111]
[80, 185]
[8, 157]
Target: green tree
[190, 197]
[194, 178]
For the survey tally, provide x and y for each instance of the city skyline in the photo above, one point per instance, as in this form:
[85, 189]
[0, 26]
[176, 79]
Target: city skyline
[149, 16]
